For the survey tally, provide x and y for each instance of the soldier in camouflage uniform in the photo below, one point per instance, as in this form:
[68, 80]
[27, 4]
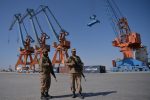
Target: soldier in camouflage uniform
[46, 69]
[75, 67]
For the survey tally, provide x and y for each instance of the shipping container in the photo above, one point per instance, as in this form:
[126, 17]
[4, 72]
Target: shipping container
[63, 69]
[94, 69]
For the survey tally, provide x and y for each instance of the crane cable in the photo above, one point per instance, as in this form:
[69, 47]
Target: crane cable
[121, 15]
[113, 10]
[111, 18]
[114, 13]
[38, 22]
[50, 23]
[119, 12]
[8, 38]
[18, 17]
[54, 18]
[33, 26]
[112, 23]
[25, 28]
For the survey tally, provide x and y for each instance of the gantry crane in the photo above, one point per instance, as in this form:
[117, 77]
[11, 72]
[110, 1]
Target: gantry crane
[27, 51]
[128, 42]
[61, 49]
[40, 42]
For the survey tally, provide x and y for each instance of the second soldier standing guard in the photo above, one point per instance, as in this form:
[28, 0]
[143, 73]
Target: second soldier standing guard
[46, 69]
[75, 68]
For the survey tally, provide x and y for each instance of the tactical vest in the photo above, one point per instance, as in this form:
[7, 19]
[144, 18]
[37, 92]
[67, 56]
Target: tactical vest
[46, 69]
[78, 67]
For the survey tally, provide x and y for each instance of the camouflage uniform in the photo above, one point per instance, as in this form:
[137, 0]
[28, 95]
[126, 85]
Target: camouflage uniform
[46, 69]
[75, 68]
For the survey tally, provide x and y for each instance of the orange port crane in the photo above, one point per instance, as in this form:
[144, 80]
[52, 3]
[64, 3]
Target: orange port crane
[61, 49]
[129, 42]
[126, 40]
[40, 42]
[27, 51]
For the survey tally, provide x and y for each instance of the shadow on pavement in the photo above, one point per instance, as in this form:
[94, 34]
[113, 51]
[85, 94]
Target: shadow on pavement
[98, 93]
[59, 96]
[87, 94]
[62, 96]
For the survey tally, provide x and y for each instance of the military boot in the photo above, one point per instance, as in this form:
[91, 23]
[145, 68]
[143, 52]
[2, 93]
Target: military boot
[47, 95]
[80, 95]
[73, 95]
[42, 95]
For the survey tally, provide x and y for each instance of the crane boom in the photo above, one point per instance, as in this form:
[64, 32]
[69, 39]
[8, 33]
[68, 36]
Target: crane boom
[13, 23]
[129, 42]
[18, 20]
[50, 24]
[29, 11]
[54, 18]
[18, 17]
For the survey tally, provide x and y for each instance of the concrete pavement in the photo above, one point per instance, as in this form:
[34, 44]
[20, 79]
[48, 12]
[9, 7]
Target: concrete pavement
[106, 86]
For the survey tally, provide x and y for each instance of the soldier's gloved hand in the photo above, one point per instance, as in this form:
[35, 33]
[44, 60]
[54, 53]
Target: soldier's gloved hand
[46, 64]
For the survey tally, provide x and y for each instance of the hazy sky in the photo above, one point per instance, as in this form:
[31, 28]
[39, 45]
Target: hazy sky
[93, 44]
